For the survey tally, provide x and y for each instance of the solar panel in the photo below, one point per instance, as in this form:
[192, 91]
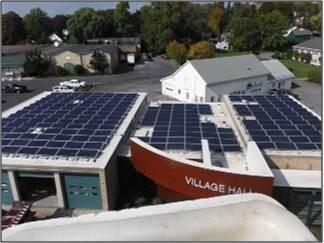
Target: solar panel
[285, 121]
[59, 123]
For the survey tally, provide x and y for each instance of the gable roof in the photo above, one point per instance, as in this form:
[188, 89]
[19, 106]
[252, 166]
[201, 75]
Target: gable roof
[222, 69]
[301, 31]
[314, 43]
[277, 69]
[81, 49]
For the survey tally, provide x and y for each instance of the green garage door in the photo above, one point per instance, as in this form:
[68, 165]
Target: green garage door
[6, 193]
[82, 191]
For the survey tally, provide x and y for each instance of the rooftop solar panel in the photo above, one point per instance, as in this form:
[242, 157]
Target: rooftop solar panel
[286, 122]
[68, 122]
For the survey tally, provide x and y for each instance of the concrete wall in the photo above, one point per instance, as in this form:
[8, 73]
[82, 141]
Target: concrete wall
[67, 57]
[294, 162]
[185, 85]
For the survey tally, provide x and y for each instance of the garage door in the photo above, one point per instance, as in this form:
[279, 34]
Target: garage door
[6, 193]
[82, 191]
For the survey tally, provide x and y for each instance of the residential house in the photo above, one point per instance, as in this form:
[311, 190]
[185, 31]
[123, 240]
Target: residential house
[296, 35]
[313, 47]
[67, 56]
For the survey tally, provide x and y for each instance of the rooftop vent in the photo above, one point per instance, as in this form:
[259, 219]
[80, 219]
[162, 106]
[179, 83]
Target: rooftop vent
[38, 130]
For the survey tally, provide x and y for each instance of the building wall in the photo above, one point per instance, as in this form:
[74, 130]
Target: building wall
[316, 55]
[6, 192]
[185, 85]
[253, 86]
[67, 57]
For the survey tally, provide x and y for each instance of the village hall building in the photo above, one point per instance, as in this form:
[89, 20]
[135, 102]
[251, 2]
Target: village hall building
[206, 80]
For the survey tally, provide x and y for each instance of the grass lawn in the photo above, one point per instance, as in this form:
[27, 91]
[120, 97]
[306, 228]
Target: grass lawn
[299, 69]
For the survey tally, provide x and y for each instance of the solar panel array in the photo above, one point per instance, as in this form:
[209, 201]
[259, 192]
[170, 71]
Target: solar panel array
[178, 127]
[76, 124]
[279, 122]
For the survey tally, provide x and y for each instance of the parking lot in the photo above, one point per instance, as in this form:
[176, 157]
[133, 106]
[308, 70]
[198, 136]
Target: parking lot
[310, 94]
[144, 78]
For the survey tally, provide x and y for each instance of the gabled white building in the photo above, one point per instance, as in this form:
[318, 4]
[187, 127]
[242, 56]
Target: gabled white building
[208, 79]
[313, 47]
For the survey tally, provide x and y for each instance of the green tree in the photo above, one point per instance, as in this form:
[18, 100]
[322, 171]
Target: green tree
[296, 55]
[315, 22]
[13, 29]
[289, 53]
[270, 27]
[38, 26]
[123, 20]
[266, 7]
[85, 24]
[177, 51]
[244, 34]
[98, 61]
[79, 69]
[308, 58]
[59, 23]
[215, 19]
[108, 27]
[35, 64]
[201, 50]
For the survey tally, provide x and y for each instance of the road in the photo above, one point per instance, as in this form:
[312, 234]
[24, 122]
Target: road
[144, 78]
[310, 94]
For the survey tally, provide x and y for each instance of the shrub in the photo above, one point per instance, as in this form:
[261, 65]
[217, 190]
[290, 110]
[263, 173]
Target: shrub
[289, 54]
[177, 51]
[79, 69]
[308, 58]
[314, 76]
[302, 57]
[60, 71]
[296, 55]
[200, 50]
[35, 64]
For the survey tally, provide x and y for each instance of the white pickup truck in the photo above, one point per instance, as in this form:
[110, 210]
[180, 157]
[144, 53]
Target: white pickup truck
[74, 83]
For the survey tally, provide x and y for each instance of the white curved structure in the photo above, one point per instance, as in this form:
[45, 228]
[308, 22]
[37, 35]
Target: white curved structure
[231, 217]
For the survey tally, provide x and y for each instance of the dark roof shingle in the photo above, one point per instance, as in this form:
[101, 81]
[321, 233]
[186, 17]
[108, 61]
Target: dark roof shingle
[315, 43]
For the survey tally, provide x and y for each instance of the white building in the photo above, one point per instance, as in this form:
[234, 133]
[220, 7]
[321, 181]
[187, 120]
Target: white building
[312, 46]
[282, 77]
[208, 79]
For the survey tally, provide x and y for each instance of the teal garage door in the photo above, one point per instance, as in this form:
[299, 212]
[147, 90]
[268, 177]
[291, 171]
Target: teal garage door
[82, 191]
[6, 193]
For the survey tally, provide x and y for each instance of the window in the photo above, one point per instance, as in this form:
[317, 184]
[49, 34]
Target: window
[212, 99]
[179, 91]
[201, 99]
[248, 86]
[196, 98]
[167, 88]
[187, 95]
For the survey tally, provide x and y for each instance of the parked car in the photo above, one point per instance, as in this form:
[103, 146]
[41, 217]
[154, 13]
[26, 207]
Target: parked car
[62, 89]
[14, 88]
[74, 83]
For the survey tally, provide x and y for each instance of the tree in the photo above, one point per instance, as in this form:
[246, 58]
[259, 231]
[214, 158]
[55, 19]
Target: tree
[59, 23]
[289, 53]
[215, 19]
[308, 58]
[38, 26]
[35, 64]
[108, 27]
[13, 29]
[244, 34]
[201, 50]
[98, 61]
[315, 22]
[79, 69]
[85, 24]
[266, 7]
[177, 51]
[270, 27]
[123, 20]
[296, 55]
[302, 56]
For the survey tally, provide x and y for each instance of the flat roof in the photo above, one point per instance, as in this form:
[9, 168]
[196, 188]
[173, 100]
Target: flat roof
[77, 130]
[278, 124]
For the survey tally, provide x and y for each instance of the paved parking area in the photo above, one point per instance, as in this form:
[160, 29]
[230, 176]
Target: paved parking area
[144, 78]
[310, 94]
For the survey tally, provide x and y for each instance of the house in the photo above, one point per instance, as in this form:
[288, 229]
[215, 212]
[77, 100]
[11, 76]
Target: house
[67, 56]
[223, 43]
[313, 47]
[296, 35]
[281, 77]
[208, 79]
[129, 47]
